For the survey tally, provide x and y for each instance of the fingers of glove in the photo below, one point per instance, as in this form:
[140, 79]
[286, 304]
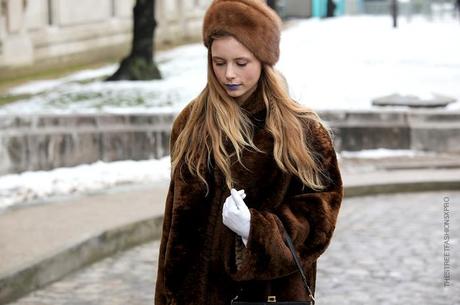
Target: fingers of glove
[226, 216]
[226, 208]
[241, 205]
[232, 208]
[230, 212]
[232, 216]
[241, 193]
[237, 198]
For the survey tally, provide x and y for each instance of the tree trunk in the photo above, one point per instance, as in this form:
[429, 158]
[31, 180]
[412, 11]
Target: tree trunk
[139, 65]
[394, 12]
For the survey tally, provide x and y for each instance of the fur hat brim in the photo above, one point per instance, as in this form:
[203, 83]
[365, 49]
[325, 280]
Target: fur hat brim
[251, 22]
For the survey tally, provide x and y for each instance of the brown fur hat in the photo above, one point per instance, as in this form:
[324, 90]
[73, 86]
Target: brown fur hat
[252, 22]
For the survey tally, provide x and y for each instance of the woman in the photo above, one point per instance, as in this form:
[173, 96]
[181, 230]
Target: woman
[244, 133]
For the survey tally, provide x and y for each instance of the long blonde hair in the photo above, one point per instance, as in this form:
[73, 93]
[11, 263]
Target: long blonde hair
[216, 118]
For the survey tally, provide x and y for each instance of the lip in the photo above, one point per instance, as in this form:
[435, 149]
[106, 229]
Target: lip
[232, 87]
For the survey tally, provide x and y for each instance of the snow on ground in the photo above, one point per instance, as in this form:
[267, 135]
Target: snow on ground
[28, 187]
[337, 63]
[344, 63]
[45, 85]
[182, 80]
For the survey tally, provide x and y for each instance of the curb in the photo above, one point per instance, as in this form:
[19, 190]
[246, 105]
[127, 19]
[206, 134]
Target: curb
[404, 187]
[111, 241]
[75, 257]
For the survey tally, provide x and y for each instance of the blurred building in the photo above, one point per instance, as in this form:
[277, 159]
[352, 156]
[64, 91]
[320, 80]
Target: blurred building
[52, 32]
[37, 35]
[406, 7]
[318, 8]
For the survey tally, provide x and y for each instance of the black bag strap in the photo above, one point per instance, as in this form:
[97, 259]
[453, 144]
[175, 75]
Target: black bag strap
[291, 247]
[288, 240]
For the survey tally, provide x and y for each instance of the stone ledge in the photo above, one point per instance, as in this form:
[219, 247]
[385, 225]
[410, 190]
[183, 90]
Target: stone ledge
[425, 130]
[44, 142]
[49, 141]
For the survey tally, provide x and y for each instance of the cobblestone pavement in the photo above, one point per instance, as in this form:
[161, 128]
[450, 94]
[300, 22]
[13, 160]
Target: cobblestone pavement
[389, 250]
[386, 250]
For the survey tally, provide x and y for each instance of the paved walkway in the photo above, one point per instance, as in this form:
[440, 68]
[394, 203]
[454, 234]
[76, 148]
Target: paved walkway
[35, 238]
[29, 235]
[387, 249]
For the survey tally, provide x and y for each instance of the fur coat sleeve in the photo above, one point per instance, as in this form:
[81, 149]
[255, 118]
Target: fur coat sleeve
[308, 216]
[163, 295]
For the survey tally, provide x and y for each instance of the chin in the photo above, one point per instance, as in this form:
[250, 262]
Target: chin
[235, 93]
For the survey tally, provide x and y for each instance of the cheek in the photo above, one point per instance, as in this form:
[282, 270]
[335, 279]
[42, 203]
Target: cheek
[253, 75]
[217, 72]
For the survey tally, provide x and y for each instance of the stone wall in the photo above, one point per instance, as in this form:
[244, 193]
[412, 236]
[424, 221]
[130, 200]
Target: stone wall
[29, 143]
[49, 141]
[426, 130]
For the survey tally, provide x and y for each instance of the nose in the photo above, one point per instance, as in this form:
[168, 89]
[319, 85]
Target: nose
[230, 72]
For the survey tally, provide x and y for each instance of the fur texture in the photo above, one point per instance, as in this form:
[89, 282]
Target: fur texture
[203, 262]
[252, 22]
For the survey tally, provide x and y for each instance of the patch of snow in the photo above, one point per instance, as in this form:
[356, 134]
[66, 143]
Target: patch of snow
[29, 186]
[381, 153]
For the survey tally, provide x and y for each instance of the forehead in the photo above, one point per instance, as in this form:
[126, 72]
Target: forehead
[229, 47]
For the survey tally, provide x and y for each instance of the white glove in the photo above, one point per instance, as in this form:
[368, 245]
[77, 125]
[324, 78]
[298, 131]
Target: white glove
[236, 215]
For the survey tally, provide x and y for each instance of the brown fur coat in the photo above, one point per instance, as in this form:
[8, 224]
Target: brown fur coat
[203, 262]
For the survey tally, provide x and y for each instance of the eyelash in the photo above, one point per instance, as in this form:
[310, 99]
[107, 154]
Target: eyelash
[239, 65]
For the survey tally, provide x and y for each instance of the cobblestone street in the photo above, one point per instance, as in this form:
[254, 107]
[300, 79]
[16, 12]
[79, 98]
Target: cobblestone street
[387, 249]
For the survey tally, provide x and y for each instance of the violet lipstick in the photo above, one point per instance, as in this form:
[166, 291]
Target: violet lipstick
[232, 87]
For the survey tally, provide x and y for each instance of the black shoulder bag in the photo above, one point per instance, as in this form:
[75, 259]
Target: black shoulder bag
[271, 300]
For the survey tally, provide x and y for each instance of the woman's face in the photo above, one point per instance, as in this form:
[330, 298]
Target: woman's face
[235, 67]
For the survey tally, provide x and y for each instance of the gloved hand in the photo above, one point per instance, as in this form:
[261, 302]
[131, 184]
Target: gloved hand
[236, 215]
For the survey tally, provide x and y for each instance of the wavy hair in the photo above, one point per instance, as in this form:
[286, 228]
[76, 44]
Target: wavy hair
[216, 119]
